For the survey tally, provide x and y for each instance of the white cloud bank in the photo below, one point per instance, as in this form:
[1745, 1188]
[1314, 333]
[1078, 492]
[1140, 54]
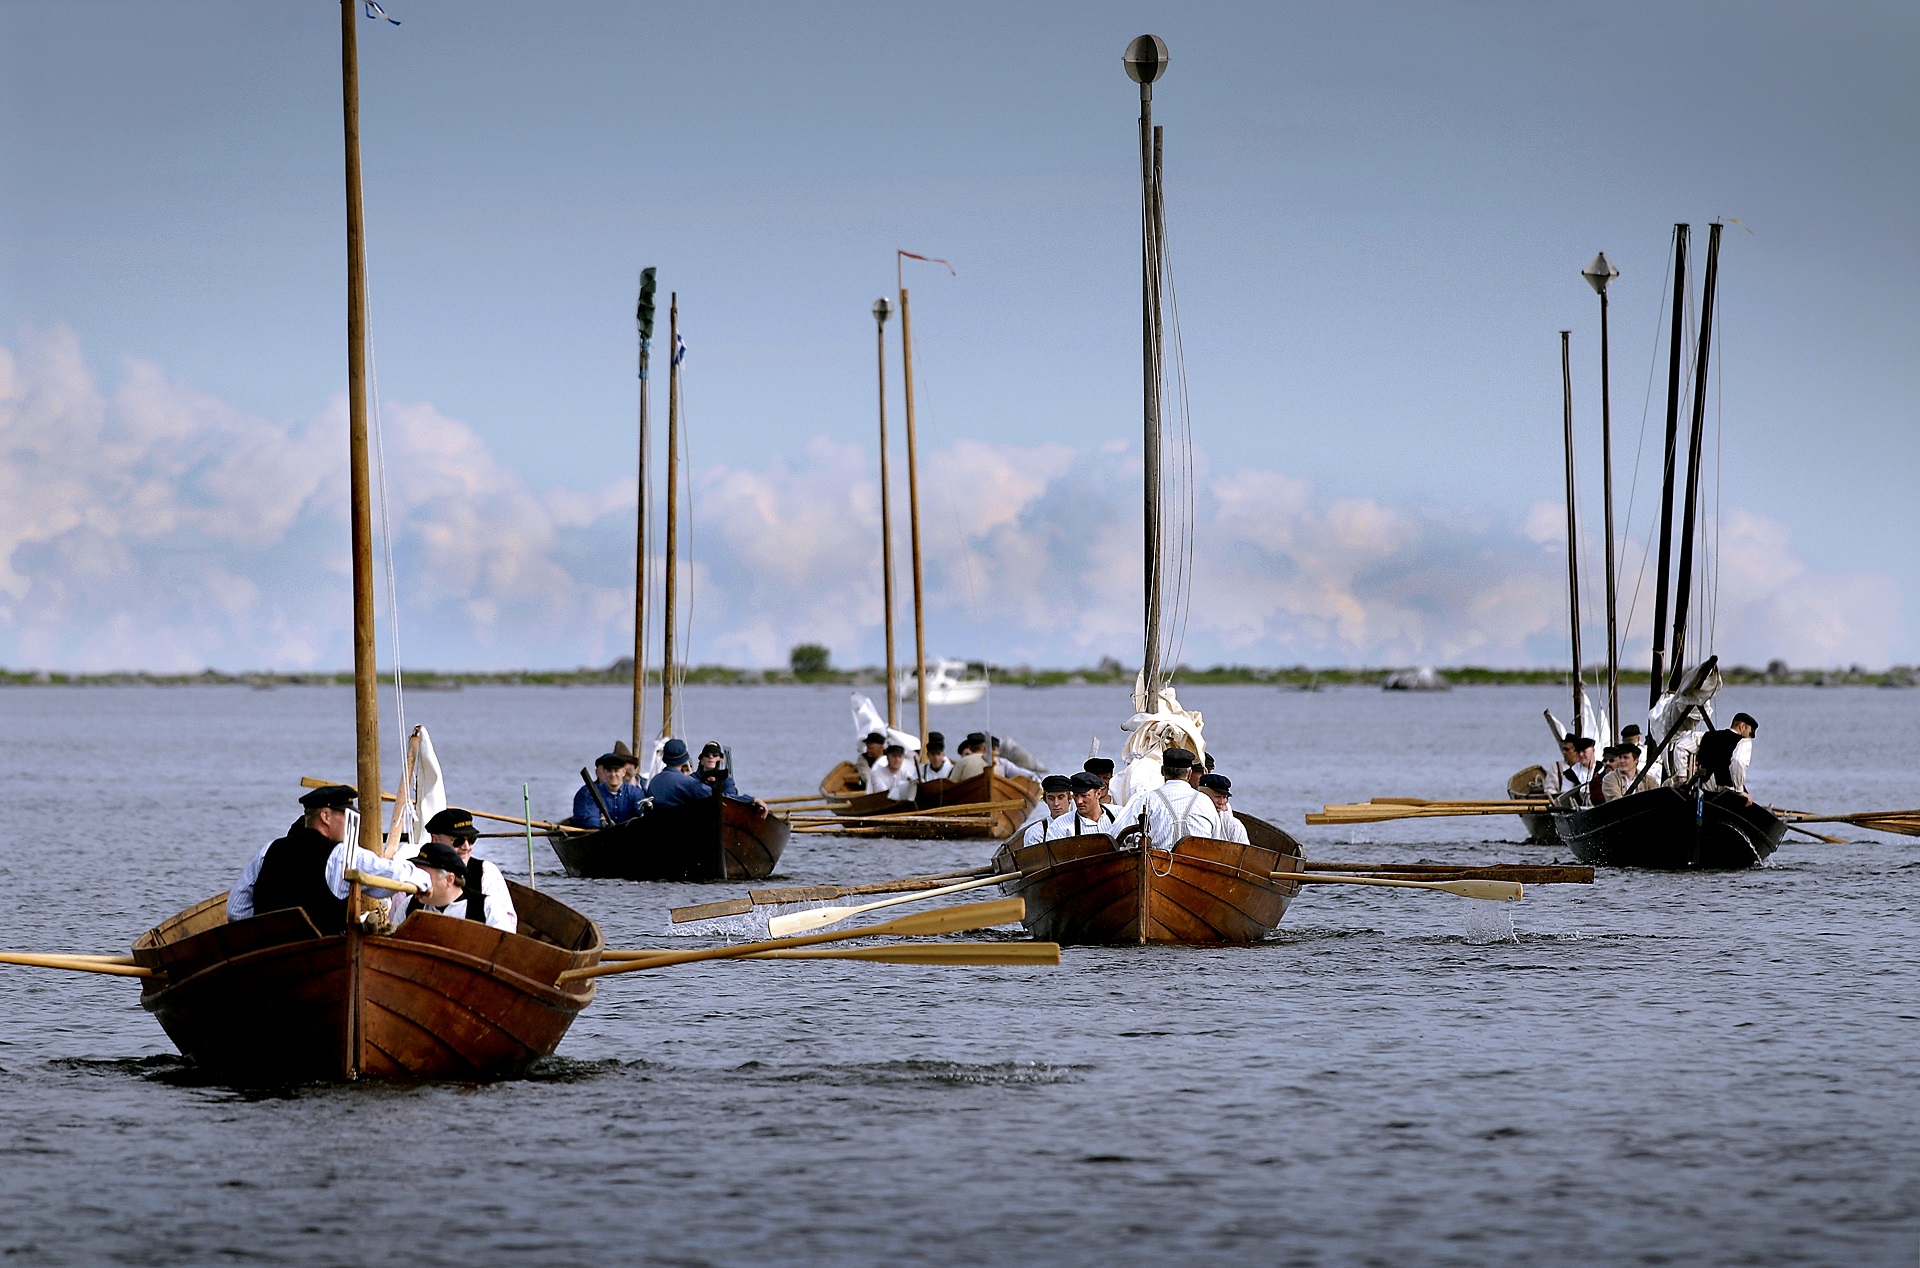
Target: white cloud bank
[153, 527]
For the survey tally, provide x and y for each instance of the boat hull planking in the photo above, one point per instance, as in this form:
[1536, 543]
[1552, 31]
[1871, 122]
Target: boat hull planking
[712, 839]
[1668, 830]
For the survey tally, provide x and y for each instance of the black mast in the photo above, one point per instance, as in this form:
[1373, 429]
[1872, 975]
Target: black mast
[1678, 333]
[1573, 536]
[1685, 574]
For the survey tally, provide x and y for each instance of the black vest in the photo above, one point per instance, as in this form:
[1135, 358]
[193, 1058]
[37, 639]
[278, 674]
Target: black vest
[294, 874]
[1714, 757]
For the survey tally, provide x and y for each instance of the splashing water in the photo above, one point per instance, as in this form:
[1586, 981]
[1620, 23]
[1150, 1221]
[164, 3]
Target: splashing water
[1490, 922]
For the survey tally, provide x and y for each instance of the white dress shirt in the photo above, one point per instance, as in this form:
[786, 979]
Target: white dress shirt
[240, 897]
[1175, 810]
[900, 784]
[1231, 829]
[930, 771]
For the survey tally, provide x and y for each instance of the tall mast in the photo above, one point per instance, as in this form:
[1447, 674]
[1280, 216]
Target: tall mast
[1145, 61]
[881, 311]
[366, 684]
[1684, 577]
[673, 510]
[643, 316]
[913, 514]
[1598, 274]
[1573, 531]
[1677, 335]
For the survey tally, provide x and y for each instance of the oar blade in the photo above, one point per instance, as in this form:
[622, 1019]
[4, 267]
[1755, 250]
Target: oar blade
[958, 919]
[1499, 891]
[977, 953]
[807, 921]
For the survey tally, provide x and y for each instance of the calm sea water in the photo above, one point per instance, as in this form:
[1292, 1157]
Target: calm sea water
[1653, 1069]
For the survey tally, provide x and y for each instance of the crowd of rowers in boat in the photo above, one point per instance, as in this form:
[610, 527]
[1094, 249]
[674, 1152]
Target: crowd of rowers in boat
[619, 792]
[1195, 801]
[888, 768]
[1696, 761]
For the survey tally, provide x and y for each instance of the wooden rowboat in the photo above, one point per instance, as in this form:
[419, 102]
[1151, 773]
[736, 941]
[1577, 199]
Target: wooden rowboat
[1532, 782]
[1086, 890]
[712, 839]
[270, 999]
[1667, 829]
[987, 786]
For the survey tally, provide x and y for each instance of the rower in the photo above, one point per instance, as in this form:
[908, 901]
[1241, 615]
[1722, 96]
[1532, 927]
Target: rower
[1177, 809]
[1630, 735]
[936, 764]
[631, 779]
[1101, 768]
[307, 867]
[714, 770]
[872, 749]
[1091, 813]
[454, 827]
[1056, 803]
[1723, 756]
[893, 776]
[1219, 789]
[1623, 768]
[1580, 771]
[452, 892]
[973, 757]
[609, 780]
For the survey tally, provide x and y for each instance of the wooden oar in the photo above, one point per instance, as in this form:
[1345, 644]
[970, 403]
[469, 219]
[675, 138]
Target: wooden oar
[809, 797]
[969, 807]
[1526, 873]
[959, 919]
[1367, 812]
[1902, 822]
[308, 781]
[1509, 891]
[815, 894]
[821, 917]
[927, 953]
[109, 965]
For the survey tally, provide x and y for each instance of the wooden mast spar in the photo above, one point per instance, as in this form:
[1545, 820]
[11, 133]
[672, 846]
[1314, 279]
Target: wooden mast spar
[913, 506]
[1676, 337]
[643, 316]
[1573, 535]
[881, 311]
[673, 513]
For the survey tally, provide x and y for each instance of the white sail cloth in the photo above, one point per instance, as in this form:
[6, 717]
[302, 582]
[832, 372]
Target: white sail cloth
[1694, 703]
[867, 720]
[1149, 734]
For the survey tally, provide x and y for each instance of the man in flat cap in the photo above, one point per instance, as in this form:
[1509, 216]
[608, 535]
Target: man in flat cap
[307, 867]
[1092, 811]
[872, 749]
[973, 757]
[609, 780]
[893, 775]
[1723, 756]
[1101, 768]
[935, 764]
[1177, 809]
[453, 827]
[1219, 790]
[712, 769]
[1051, 817]
[451, 891]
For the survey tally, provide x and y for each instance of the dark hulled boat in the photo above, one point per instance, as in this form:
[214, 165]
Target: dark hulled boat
[713, 839]
[270, 999]
[1088, 890]
[1668, 829]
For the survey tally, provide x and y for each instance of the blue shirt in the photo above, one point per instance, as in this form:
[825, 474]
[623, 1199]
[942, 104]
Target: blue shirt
[672, 788]
[622, 805]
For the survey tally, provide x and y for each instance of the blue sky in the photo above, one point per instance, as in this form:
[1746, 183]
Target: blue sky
[1379, 214]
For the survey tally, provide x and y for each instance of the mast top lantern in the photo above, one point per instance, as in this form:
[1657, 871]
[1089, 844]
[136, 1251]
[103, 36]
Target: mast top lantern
[1599, 273]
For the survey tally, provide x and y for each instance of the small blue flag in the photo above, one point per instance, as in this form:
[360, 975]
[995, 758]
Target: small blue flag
[375, 12]
[679, 349]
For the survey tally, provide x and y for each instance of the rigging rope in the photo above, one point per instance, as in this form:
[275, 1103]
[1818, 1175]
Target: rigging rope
[403, 806]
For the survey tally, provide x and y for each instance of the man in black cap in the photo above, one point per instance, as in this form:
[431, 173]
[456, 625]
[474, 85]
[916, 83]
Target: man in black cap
[1177, 809]
[893, 776]
[872, 749]
[1723, 756]
[307, 867]
[451, 891]
[1101, 768]
[973, 757]
[453, 827]
[1091, 811]
[609, 780]
[935, 764]
[1051, 815]
[714, 771]
[1219, 790]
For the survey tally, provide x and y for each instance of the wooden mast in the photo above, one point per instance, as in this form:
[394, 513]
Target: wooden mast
[1599, 274]
[1146, 60]
[643, 317]
[1573, 533]
[673, 513]
[366, 684]
[1683, 579]
[913, 517]
[1676, 337]
[881, 310]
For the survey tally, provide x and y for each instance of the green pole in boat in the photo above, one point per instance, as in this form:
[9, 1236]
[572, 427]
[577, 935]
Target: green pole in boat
[526, 800]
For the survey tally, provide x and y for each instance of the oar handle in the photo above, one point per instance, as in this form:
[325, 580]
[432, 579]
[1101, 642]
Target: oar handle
[356, 876]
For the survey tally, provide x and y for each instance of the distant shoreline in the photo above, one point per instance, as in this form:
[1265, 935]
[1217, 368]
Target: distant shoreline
[1296, 677]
